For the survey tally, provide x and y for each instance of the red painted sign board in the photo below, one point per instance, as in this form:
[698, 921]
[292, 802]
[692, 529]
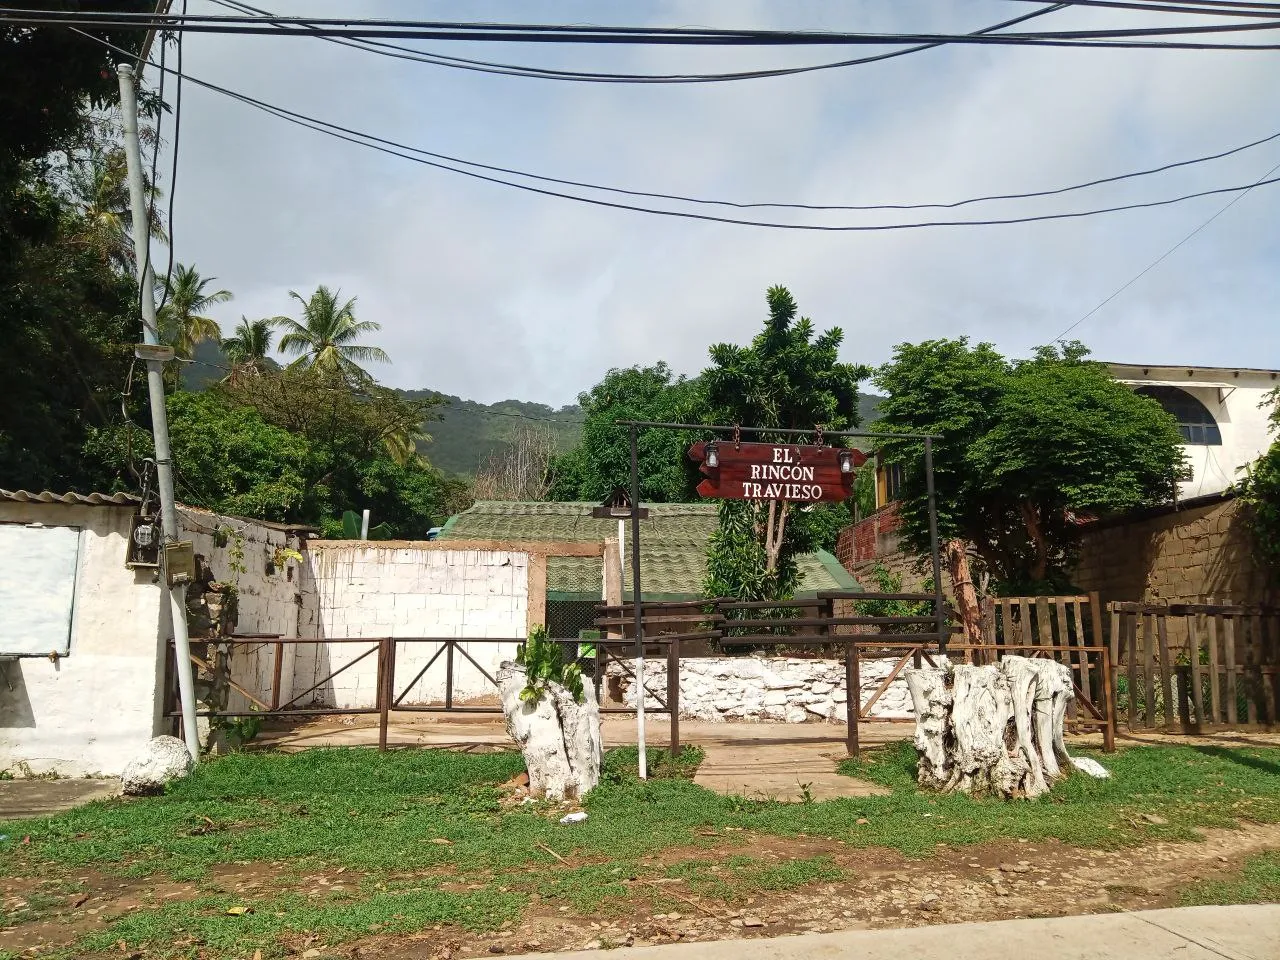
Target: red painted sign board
[768, 471]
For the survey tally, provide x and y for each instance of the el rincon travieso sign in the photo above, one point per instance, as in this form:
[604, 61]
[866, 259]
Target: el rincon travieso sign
[768, 471]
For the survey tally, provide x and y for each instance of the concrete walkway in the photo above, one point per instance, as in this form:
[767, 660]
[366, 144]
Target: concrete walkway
[769, 761]
[1187, 933]
[20, 799]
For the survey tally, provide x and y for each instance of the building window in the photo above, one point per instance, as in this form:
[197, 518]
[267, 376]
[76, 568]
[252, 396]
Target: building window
[1195, 422]
[892, 481]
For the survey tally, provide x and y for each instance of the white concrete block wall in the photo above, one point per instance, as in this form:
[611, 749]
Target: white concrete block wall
[776, 689]
[369, 591]
[89, 712]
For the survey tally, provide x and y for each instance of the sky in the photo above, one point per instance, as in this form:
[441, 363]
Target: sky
[490, 293]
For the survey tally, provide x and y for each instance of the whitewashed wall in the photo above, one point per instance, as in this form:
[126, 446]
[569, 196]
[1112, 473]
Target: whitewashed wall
[89, 712]
[767, 688]
[362, 589]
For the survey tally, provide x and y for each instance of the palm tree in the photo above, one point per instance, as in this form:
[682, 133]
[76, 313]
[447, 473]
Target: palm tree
[182, 320]
[100, 189]
[248, 347]
[325, 339]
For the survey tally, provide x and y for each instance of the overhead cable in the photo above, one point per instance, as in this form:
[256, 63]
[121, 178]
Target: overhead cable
[406, 152]
[1128, 38]
[546, 73]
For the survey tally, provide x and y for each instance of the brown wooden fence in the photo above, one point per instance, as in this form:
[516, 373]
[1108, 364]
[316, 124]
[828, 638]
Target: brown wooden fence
[1226, 673]
[1067, 629]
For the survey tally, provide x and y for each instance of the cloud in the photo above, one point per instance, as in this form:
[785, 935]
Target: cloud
[491, 293]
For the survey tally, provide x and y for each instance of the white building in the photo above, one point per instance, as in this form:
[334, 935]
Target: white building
[1221, 412]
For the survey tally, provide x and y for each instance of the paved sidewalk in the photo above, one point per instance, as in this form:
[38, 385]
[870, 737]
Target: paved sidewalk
[1187, 933]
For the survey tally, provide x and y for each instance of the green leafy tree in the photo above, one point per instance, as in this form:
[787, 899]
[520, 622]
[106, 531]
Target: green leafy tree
[248, 348]
[1260, 490]
[326, 337]
[183, 320]
[602, 459]
[349, 430]
[64, 314]
[788, 378]
[1024, 448]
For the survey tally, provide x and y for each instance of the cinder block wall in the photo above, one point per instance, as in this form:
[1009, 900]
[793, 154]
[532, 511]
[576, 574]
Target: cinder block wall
[1183, 556]
[402, 590]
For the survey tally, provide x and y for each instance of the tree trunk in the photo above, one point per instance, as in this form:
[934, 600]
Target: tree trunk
[966, 596]
[994, 729]
[1031, 519]
[559, 737]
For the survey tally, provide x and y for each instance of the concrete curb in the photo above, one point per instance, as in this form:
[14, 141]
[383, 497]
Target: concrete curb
[1250, 932]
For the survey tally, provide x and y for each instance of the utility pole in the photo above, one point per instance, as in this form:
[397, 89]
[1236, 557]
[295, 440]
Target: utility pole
[155, 392]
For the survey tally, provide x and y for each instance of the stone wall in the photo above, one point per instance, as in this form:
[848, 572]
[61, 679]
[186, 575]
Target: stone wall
[777, 689]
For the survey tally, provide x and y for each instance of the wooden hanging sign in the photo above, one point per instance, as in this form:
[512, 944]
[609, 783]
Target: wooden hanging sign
[767, 471]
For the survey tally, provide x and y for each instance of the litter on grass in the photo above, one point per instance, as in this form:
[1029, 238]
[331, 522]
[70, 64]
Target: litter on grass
[1091, 767]
[574, 817]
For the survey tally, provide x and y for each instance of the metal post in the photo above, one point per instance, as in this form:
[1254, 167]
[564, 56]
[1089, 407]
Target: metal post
[155, 390]
[637, 604]
[939, 604]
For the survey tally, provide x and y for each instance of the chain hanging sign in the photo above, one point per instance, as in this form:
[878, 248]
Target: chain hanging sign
[767, 471]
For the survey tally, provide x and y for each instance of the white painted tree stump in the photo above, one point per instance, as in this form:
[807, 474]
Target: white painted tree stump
[995, 729]
[559, 737]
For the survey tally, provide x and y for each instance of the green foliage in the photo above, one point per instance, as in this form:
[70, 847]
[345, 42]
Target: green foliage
[737, 564]
[602, 459]
[544, 662]
[1260, 490]
[375, 815]
[325, 338]
[889, 582]
[469, 434]
[1024, 446]
[789, 379]
[1258, 881]
[183, 319]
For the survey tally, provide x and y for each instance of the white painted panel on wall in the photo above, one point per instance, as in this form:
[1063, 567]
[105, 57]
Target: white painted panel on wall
[37, 589]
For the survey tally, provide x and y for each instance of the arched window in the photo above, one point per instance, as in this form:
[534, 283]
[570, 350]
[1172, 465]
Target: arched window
[1195, 422]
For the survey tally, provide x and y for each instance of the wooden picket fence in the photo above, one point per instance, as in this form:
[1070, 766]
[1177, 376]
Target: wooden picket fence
[1193, 666]
[1067, 629]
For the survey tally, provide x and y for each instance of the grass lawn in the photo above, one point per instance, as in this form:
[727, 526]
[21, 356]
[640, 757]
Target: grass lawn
[424, 839]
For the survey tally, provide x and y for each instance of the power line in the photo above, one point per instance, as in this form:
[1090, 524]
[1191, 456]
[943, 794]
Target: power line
[807, 206]
[1205, 8]
[394, 148]
[1164, 256]
[544, 73]
[1127, 38]
[173, 171]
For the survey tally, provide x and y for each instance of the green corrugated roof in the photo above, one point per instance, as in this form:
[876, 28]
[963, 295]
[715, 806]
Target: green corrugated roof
[673, 546]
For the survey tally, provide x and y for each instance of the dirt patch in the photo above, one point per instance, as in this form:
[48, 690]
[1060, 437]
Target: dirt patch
[878, 888]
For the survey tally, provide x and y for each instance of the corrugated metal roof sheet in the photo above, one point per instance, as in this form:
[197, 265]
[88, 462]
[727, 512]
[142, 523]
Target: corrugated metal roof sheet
[76, 499]
[673, 545]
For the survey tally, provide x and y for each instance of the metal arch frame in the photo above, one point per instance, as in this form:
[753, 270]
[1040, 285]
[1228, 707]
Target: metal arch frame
[634, 426]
